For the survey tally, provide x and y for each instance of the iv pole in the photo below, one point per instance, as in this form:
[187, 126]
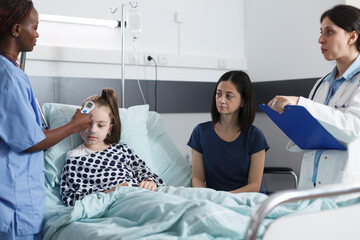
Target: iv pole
[123, 26]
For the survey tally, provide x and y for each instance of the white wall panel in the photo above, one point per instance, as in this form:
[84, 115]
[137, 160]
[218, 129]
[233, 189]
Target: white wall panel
[281, 39]
[210, 37]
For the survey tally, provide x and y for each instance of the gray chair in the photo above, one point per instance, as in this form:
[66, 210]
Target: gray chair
[279, 178]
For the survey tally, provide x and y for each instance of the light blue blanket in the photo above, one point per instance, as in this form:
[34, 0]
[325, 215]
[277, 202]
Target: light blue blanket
[169, 213]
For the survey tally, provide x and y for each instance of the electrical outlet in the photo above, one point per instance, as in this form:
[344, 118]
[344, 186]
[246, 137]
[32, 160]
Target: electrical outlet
[146, 60]
[222, 63]
[162, 60]
[134, 58]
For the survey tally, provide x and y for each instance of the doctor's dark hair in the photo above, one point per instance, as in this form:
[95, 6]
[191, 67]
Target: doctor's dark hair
[243, 85]
[346, 17]
[13, 12]
[108, 98]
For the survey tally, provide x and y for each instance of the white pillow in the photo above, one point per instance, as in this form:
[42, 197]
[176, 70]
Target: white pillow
[134, 134]
[170, 164]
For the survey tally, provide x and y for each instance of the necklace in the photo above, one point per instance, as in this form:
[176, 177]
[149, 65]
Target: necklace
[12, 61]
[226, 135]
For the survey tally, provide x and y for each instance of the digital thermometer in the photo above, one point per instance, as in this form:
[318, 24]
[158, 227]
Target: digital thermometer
[88, 106]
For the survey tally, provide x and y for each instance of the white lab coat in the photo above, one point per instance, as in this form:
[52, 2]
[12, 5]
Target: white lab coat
[342, 119]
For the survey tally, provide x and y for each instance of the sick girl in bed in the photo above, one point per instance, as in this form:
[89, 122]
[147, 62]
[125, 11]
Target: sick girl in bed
[101, 163]
[228, 153]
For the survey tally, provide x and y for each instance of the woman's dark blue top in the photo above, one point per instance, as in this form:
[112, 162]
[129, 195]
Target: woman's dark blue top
[226, 163]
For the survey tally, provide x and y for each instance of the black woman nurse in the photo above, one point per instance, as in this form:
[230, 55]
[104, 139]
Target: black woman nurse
[334, 101]
[22, 141]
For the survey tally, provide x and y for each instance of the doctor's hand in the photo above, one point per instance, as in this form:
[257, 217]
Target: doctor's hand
[148, 184]
[278, 103]
[81, 121]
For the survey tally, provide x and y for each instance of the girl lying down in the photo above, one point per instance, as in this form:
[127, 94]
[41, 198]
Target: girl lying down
[101, 164]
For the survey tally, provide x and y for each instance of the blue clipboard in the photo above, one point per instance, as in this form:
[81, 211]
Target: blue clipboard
[302, 128]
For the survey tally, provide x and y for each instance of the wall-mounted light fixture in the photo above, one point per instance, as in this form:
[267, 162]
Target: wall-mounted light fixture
[79, 20]
[75, 20]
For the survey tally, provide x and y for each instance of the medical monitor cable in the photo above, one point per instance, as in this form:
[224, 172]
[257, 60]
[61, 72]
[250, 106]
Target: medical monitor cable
[141, 91]
[150, 58]
[136, 65]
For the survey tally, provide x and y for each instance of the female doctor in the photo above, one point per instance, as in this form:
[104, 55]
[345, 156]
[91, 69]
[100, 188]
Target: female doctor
[22, 193]
[334, 101]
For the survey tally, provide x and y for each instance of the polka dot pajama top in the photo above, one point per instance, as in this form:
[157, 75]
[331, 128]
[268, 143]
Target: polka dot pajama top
[101, 171]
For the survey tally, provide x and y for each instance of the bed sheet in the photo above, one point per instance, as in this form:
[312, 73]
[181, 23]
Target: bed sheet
[169, 213]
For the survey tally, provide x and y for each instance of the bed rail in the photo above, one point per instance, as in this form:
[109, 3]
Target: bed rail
[264, 208]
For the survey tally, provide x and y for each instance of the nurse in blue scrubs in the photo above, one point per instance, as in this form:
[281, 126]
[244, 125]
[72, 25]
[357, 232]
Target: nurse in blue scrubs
[22, 141]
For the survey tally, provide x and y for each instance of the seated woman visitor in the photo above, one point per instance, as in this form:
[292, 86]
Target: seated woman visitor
[228, 153]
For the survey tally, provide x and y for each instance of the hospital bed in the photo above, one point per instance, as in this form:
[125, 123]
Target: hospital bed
[173, 212]
[337, 223]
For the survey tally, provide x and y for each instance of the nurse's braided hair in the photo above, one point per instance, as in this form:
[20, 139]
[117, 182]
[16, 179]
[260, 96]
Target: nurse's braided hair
[109, 99]
[13, 12]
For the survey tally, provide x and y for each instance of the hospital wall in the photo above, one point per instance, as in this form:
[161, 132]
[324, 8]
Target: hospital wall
[275, 42]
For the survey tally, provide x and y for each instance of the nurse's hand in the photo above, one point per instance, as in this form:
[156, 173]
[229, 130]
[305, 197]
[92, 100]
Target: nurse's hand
[81, 121]
[278, 103]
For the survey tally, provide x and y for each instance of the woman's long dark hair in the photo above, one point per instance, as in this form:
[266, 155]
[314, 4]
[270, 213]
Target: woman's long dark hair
[243, 85]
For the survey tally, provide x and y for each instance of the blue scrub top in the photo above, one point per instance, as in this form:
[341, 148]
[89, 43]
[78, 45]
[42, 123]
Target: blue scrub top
[22, 195]
[226, 164]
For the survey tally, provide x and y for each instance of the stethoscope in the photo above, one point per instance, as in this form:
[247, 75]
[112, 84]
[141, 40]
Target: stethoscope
[322, 81]
[44, 123]
[318, 85]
